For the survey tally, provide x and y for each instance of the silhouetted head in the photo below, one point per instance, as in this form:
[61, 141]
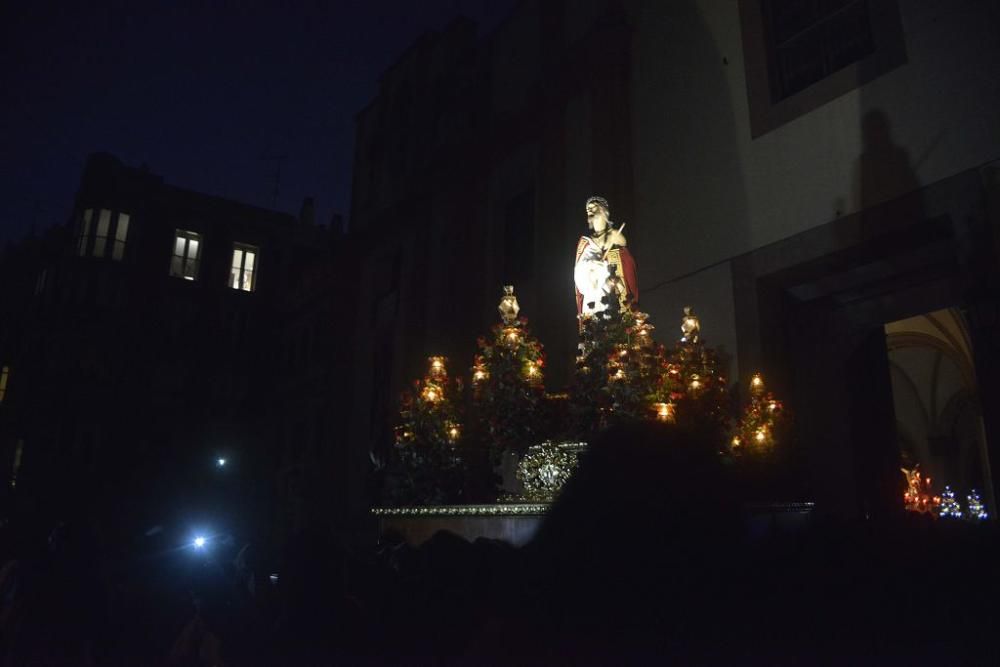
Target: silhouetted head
[642, 476]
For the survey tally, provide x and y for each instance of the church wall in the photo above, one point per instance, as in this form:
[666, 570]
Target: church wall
[706, 191]
[515, 174]
[710, 294]
[514, 55]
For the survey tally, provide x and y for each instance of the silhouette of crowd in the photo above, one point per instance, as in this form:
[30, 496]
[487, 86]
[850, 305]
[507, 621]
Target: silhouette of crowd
[645, 559]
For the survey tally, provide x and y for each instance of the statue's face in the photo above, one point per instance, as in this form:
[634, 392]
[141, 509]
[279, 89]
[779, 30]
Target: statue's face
[597, 217]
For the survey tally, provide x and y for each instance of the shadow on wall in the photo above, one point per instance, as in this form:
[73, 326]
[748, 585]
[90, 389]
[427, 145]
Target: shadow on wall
[883, 171]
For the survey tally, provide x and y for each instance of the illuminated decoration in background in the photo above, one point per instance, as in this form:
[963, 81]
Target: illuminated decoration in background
[977, 511]
[425, 466]
[508, 384]
[917, 497]
[762, 419]
[199, 542]
[950, 508]
[545, 469]
[509, 307]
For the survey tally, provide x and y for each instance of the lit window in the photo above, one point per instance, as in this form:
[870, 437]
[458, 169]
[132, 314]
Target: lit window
[84, 232]
[187, 255]
[4, 375]
[241, 276]
[101, 238]
[96, 236]
[121, 233]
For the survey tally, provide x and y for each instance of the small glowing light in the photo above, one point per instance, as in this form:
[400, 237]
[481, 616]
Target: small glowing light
[695, 383]
[220, 462]
[437, 366]
[431, 393]
[511, 335]
[453, 433]
[772, 406]
[736, 442]
[532, 369]
[273, 578]
[756, 384]
[618, 375]
[664, 411]
[199, 542]
[479, 372]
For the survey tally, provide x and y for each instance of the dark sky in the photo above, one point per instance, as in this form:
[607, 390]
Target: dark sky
[197, 93]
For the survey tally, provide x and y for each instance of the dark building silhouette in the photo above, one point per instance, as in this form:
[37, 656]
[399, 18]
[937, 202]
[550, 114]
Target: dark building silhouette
[157, 333]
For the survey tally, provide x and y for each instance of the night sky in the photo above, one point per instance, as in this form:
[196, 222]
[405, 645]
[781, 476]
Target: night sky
[199, 94]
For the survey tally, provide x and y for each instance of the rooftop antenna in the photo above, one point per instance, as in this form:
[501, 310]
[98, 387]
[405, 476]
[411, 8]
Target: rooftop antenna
[278, 159]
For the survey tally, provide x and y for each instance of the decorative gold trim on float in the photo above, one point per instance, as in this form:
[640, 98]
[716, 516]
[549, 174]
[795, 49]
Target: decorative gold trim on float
[540, 509]
[798, 507]
[498, 509]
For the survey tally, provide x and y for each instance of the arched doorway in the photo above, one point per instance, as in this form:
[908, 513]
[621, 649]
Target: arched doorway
[936, 401]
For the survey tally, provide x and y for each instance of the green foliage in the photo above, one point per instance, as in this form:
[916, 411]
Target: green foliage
[622, 375]
[701, 394]
[426, 466]
[508, 390]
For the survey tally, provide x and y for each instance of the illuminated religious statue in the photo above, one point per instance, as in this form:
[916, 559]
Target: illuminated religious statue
[604, 265]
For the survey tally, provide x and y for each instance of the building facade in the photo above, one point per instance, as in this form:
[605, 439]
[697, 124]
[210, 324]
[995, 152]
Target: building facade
[154, 351]
[803, 174]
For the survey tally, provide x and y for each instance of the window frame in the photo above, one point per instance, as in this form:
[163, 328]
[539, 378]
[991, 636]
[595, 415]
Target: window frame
[766, 113]
[109, 245]
[186, 260]
[237, 283]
